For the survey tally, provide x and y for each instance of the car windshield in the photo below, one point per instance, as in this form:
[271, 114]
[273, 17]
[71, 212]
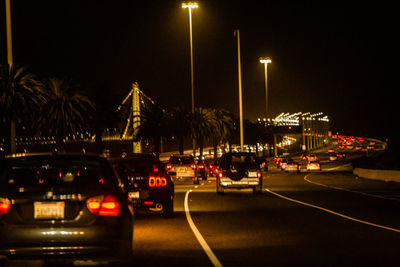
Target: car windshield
[137, 166]
[49, 171]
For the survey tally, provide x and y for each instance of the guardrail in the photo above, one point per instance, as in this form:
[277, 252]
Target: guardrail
[382, 175]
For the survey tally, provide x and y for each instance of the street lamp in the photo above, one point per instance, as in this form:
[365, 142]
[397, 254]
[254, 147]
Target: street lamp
[190, 6]
[265, 61]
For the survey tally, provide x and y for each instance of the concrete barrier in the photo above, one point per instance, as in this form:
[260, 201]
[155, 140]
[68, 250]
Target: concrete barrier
[383, 175]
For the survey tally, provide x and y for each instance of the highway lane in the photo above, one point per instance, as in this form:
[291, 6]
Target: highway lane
[245, 229]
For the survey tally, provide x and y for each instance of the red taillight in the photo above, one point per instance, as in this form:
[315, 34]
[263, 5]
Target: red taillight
[193, 166]
[103, 205]
[168, 166]
[157, 181]
[201, 166]
[5, 206]
[258, 174]
[220, 175]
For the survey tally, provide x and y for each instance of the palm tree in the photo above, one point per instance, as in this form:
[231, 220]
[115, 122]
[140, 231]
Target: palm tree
[203, 126]
[153, 126]
[20, 95]
[224, 128]
[66, 110]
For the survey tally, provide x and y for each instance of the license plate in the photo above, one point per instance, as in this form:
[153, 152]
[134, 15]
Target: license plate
[49, 210]
[181, 170]
[252, 174]
[239, 182]
[134, 195]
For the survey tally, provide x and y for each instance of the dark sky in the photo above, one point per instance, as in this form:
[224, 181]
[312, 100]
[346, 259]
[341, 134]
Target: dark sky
[334, 59]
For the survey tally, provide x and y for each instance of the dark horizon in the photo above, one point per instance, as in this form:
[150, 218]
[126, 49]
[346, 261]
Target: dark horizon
[335, 60]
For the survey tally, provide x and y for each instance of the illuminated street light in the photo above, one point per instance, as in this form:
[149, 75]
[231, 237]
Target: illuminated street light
[190, 6]
[265, 61]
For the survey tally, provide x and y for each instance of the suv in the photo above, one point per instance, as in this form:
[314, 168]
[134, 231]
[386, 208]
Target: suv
[182, 167]
[60, 205]
[147, 182]
[239, 170]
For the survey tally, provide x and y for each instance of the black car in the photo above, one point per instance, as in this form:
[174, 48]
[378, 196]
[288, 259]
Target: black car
[60, 205]
[148, 183]
[239, 170]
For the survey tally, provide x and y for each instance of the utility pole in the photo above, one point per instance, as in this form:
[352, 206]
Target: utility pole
[236, 33]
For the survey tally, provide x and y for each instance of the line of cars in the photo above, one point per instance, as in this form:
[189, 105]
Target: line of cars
[287, 164]
[69, 206]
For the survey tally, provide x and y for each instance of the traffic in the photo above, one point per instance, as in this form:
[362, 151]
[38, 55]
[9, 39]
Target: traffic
[81, 209]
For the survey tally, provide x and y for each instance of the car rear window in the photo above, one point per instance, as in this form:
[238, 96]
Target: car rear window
[181, 160]
[142, 167]
[248, 161]
[51, 171]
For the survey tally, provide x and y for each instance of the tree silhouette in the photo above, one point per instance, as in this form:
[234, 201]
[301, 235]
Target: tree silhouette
[20, 96]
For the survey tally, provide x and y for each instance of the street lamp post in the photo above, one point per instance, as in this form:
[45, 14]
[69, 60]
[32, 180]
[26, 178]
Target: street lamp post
[265, 61]
[236, 33]
[190, 6]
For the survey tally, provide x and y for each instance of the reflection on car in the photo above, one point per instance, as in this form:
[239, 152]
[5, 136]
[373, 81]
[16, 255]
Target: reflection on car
[63, 204]
[239, 170]
[149, 185]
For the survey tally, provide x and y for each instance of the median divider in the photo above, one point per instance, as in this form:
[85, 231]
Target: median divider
[382, 175]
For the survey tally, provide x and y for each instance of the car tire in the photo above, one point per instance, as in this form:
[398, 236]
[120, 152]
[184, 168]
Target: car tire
[257, 189]
[168, 209]
[220, 189]
[125, 246]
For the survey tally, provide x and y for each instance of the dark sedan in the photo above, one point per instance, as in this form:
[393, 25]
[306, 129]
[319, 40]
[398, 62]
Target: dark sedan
[149, 185]
[63, 205]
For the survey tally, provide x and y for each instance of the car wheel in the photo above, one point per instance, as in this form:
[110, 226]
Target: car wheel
[220, 189]
[168, 209]
[125, 246]
[257, 189]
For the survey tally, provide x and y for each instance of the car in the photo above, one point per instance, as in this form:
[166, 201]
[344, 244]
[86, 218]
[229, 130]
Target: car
[182, 167]
[291, 166]
[313, 165]
[331, 150]
[64, 206]
[341, 156]
[333, 156]
[202, 169]
[311, 157]
[239, 170]
[212, 167]
[282, 163]
[148, 184]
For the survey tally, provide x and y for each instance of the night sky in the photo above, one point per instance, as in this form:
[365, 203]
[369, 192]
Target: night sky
[334, 59]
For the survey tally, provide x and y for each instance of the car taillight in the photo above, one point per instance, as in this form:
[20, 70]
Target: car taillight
[5, 206]
[258, 174]
[193, 166]
[168, 166]
[201, 166]
[220, 175]
[157, 181]
[103, 205]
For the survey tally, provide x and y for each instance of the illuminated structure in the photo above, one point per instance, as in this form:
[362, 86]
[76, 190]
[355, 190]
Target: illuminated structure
[265, 61]
[314, 128]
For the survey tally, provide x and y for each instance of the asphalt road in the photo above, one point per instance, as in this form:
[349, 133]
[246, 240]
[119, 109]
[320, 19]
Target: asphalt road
[328, 217]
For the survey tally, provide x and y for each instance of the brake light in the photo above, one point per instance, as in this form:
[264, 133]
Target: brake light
[5, 206]
[157, 181]
[193, 166]
[258, 174]
[168, 166]
[201, 166]
[103, 205]
[220, 175]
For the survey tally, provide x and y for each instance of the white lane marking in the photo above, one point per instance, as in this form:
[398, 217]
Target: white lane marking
[348, 190]
[334, 212]
[196, 232]
[338, 167]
